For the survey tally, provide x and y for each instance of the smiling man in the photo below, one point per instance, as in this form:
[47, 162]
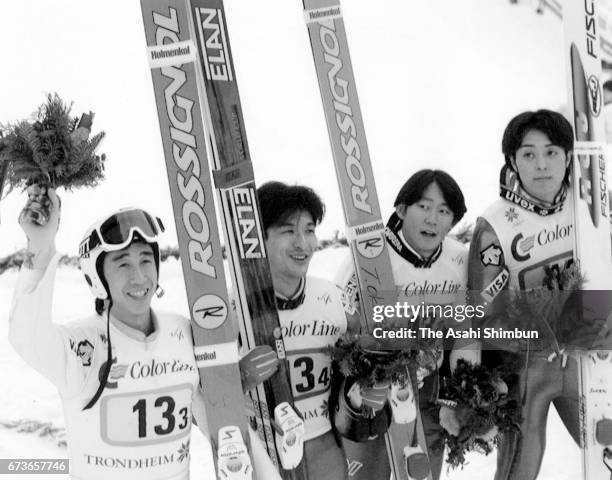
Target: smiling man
[523, 241]
[429, 268]
[310, 313]
[127, 375]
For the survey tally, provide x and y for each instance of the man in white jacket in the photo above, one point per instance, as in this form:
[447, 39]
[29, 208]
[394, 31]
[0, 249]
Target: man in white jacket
[128, 382]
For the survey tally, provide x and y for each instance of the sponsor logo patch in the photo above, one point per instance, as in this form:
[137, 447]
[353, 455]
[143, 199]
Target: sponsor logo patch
[371, 247]
[492, 255]
[492, 290]
[325, 298]
[521, 246]
[459, 259]
[178, 334]
[511, 215]
[209, 311]
[117, 372]
[85, 352]
[594, 95]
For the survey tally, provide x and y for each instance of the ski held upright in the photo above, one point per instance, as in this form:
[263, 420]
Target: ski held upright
[172, 56]
[592, 225]
[364, 225]
[234, 182]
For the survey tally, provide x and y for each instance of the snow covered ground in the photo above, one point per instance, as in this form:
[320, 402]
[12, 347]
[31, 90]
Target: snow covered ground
[31, 402]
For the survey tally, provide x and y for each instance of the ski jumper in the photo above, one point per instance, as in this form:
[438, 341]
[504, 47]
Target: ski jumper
[438, 280]
[519, 244]
[140, 427]
[311, 322]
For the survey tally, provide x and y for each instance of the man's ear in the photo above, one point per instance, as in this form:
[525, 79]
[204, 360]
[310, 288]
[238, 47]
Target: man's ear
[401, 210]
[513, 163]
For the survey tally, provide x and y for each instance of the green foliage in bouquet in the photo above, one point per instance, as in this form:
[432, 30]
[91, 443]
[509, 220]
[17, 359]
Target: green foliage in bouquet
[51, 149]
[547, 309]
[476, 409]
[357, 358]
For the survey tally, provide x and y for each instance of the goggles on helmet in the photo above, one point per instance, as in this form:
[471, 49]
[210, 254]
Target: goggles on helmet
[118, 231]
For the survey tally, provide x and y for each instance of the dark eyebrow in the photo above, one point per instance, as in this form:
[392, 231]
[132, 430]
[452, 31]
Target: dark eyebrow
[286, 224]
[531, 145]
[427, 199]
[120, 256]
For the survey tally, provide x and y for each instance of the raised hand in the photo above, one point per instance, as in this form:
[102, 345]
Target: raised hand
[39, 220]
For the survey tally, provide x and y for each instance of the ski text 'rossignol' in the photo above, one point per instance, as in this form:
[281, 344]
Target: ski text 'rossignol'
[179, 110]
[344, 117]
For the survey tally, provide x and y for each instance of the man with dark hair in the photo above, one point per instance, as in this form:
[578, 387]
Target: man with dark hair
[293, 199]
[429, 268]
[523, 241]
[412, 191]
[108, 414]
[427, 206]
[311, 316]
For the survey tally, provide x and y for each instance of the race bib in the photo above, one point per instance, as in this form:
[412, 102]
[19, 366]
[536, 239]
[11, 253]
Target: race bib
[539, 273]
[310, 372]
[146, 418]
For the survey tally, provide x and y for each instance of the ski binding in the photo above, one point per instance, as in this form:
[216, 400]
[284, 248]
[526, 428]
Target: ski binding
[403, 404]
[417, 462]
[603, 434]
[289, 443]
[233, 461]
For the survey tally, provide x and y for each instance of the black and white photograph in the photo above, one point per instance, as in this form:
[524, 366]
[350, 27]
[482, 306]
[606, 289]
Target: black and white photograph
[306, 240]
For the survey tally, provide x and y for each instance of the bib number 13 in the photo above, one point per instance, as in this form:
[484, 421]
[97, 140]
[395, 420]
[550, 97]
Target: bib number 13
[168, 405]
[146, 418]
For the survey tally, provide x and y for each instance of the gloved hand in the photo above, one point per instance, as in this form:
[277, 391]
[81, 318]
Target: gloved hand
[259, 364]
[39, 220]
[373, 397]
[449, 420]
[421, 373]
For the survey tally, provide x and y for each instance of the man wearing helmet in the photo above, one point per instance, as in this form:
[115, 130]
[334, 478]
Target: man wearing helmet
[129, 381]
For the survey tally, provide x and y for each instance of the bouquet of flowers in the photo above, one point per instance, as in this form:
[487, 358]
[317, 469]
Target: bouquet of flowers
[556, 309]
[475, 409]
[358, 358]
[51, 150]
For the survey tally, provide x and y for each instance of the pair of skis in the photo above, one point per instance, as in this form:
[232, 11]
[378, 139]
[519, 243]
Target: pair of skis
[199, 110]
[592, 224]
[406, 449]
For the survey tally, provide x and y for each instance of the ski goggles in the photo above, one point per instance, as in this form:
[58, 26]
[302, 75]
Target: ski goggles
[120, 229]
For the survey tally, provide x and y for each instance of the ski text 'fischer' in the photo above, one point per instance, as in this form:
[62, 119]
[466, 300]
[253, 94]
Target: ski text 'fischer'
[590, 23]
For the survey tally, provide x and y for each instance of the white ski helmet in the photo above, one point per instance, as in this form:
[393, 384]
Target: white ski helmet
[116, 232]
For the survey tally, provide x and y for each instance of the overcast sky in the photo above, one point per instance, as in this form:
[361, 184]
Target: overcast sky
[437, 80]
